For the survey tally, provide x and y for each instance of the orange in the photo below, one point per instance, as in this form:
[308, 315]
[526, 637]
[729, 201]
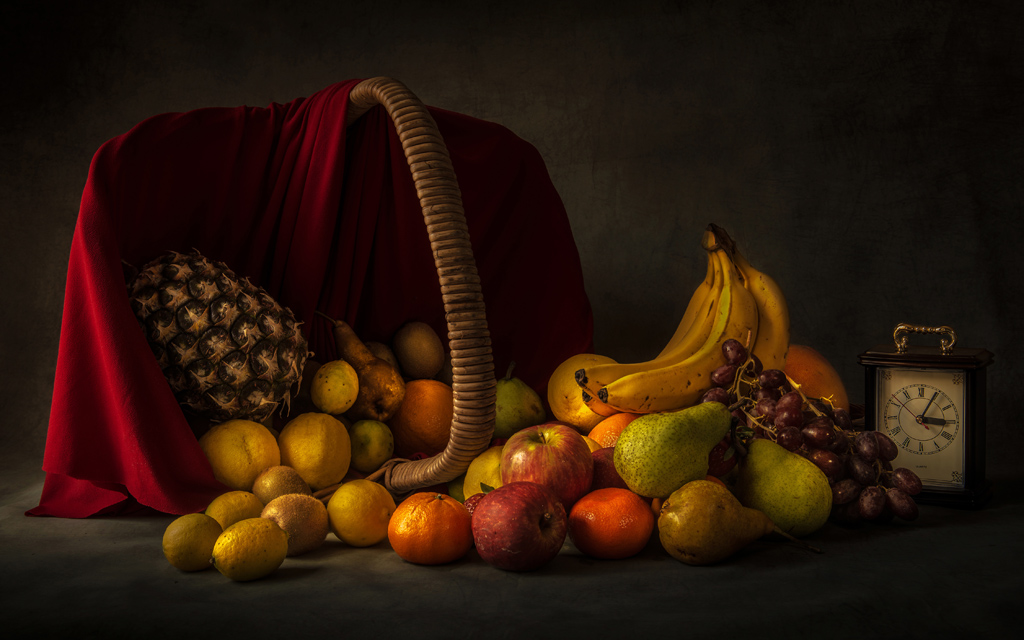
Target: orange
[816, 375]
[430, 528]
[606, 433]
[611, 523]
[423, 421]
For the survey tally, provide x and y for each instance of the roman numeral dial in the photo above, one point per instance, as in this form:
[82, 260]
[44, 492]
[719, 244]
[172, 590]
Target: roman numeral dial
[921, 418]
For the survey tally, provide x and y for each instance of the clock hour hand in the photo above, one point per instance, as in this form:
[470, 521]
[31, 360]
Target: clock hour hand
[927, 420]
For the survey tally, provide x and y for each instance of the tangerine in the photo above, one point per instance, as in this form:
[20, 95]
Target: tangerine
[430, 528]
[423, 421]
[816, 375]
[606, 433]
[611, 523]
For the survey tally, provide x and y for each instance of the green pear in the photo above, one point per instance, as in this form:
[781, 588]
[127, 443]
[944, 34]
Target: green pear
[517, 406]
[703, 523]
[790, 489]
[659, 452]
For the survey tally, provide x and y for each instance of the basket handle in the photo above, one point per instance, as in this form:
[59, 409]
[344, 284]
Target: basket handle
[473, 383]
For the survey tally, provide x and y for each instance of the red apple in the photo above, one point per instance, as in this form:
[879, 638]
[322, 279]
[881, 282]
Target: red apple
[605, 473]
[721, 460]
[472, 501]
[552, 454]
[520, 526]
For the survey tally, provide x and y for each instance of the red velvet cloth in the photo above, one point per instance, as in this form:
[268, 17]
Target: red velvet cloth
[322, 217]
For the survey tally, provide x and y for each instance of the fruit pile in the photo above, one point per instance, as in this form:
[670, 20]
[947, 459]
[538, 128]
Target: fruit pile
[857, 464]
[729, 435]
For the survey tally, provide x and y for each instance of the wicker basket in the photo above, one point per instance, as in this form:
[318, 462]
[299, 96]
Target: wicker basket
[473, 381]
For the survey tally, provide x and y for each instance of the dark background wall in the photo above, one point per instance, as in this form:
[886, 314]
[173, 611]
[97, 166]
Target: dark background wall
[867, 154]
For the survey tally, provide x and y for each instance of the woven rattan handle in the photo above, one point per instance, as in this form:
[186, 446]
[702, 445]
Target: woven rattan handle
[473, 381]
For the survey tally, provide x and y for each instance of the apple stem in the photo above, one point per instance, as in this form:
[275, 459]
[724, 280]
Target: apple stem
[796, 540]
[511, 366]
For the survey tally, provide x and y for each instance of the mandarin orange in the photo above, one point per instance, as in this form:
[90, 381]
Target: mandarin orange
[423, 421]
[430, 528]
[611, 523]
[606, 433]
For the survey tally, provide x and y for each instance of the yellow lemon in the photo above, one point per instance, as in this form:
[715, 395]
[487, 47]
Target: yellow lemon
[238, 450]
[359, 512]
[564, 395]
[250, 549]
[335, 387]
[188, 541]
[228, 508]
[372, 445]
[316, 445]
[484, 469]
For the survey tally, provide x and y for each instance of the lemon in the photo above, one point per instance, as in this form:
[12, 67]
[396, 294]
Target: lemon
[372, 445]
[484, 469]
[188, 541]
[359, 513]
[238, 450]
[228, 508]
[593, 444]
[250, 549]
[303, 518]
[335, 387]
[318, 447]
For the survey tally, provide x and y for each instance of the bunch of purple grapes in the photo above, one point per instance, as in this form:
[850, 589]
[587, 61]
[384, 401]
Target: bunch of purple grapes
[766, 404]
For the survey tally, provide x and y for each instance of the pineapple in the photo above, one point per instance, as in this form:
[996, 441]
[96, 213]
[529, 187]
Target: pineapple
[227, 349]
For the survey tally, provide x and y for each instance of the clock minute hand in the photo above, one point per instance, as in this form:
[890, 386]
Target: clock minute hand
[928, 406]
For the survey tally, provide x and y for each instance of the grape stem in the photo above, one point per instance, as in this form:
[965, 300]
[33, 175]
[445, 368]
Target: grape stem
[796, 387]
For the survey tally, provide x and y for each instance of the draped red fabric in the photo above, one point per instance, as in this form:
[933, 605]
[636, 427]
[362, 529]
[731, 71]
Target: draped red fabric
[324, 219]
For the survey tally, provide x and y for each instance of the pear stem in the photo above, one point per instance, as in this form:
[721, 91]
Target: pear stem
[796, 540]
[511, 366]
[737, 442]
[321, 313]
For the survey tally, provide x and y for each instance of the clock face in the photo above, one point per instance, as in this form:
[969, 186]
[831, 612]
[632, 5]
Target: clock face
[922, 411]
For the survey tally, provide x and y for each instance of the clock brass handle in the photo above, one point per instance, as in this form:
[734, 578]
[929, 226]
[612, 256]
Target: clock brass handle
[899, 336]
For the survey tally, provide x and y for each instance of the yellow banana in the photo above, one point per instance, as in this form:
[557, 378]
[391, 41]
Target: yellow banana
[698, 308]
[682, 384]
[772, 342]
[702, 318]
[596, 405]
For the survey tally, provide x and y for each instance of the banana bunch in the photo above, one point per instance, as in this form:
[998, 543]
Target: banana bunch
[734, 301]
